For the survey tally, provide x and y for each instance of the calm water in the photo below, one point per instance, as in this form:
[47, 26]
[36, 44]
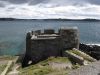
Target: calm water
[12, 33]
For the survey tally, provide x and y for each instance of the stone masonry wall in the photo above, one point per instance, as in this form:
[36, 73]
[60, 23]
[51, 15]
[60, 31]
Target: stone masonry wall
[70, 38]
[40, 46]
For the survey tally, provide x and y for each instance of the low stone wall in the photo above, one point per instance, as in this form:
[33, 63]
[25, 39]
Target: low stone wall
[74, 57]
[7, 68]
[84, 55]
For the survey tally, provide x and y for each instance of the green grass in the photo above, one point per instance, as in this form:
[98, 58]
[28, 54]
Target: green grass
[43, 68]
[75, 66]
[56, 59]
[36, 70]
[2, 67]
[4, 61]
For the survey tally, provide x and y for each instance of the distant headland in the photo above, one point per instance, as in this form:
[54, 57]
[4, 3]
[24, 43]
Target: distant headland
[58, 19]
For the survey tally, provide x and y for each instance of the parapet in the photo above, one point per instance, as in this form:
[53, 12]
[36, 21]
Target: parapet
[49, 31]
[45, 31]
[69, 30]
[52, 31]
[37, 32]
[67, 37]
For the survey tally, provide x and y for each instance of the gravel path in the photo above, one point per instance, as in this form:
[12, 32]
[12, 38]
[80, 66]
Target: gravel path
[92, 69]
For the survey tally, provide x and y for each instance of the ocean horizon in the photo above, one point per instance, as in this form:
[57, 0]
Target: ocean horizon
[13, 33]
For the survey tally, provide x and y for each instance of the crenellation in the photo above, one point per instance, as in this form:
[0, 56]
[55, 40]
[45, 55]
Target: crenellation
[32, 32]
[38, 32]
[49, 31]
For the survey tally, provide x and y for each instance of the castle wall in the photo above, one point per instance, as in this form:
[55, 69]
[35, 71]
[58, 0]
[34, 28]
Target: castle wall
[70, 38]
[49, 31]
[40, 46]
[42, 49]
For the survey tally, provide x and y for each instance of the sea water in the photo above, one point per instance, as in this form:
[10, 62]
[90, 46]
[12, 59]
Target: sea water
[13, 33]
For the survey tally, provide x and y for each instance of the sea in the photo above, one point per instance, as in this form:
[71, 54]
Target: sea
[13, 33]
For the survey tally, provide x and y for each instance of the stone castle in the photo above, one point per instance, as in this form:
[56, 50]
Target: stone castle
[41, 45]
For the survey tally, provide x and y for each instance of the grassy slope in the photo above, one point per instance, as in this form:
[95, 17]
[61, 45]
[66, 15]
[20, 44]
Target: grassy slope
[43, 67]
[2, 67]
[4, 60]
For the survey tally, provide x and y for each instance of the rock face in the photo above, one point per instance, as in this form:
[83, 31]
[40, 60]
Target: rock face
[92, 50]
[79, 57]
[40, 46]
[75, 57]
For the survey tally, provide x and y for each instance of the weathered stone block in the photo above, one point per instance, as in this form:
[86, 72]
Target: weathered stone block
[75, 57]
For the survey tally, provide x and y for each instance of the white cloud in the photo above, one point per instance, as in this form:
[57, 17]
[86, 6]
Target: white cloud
[52, 10]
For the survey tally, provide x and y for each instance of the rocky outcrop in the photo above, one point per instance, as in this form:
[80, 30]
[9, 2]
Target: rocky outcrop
[74, 57]
[79, 56]
[84, 55]
[92, 50]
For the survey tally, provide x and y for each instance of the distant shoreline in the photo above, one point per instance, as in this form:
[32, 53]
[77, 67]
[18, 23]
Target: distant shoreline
[15, 19]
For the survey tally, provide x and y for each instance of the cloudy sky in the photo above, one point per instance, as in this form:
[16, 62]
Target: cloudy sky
[74, 9]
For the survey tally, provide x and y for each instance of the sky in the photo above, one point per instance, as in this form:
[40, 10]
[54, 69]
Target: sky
[43, 9]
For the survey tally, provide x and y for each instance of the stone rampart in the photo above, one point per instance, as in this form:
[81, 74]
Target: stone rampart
[41, 45]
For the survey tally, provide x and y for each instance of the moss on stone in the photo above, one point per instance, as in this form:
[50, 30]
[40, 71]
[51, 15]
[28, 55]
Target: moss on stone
[84, 55]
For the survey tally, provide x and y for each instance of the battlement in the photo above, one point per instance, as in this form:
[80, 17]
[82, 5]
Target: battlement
[41, 45]
[52, 31]
[46, 31]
